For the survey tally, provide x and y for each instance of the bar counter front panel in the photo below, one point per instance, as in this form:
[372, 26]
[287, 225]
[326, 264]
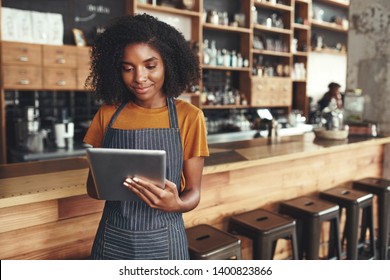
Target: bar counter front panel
[46, 214]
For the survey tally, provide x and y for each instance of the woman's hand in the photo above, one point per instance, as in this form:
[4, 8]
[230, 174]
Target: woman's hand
[166, 199]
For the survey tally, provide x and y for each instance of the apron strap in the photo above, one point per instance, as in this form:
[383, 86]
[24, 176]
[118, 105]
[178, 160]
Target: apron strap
[108, 135]
[113, 118]
[172, 113]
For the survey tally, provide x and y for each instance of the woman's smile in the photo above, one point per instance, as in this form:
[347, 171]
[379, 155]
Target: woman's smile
[141, 89]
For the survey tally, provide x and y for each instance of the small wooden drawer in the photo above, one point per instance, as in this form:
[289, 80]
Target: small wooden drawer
[64, 56]
[21, 53]
[22, 77]
[59, 79]
[271, 91]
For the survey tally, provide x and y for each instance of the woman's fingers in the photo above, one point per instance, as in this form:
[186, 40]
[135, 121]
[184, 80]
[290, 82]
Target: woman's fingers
[154, 196]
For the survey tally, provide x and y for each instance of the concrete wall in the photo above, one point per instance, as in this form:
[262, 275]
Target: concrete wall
[368, 62]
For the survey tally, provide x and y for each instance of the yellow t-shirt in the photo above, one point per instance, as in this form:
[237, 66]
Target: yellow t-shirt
[190, 118]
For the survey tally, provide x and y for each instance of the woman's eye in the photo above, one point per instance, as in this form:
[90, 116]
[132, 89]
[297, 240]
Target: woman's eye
[127, 68]
[150, 67]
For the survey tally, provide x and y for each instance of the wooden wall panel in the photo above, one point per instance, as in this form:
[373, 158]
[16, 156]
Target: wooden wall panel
[76, 206]
[18, 217]
[48, 239]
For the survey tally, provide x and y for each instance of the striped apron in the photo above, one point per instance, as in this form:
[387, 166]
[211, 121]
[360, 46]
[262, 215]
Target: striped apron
[131, 229]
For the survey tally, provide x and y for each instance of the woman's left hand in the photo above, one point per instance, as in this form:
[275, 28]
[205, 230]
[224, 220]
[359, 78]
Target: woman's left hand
[166, 199]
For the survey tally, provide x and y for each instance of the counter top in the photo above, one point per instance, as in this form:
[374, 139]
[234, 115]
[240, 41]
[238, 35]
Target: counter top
[247, 153]
[47, 183]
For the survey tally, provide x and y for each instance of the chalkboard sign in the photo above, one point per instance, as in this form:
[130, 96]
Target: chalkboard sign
[90, 16]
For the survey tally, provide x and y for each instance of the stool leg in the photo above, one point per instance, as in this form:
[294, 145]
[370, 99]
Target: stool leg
[364, 226]
[383, 225]
[370, 218]
[351, 229]
[262, 248]
[334, 239]
[294, 246]
[312, 240]
[300, 238]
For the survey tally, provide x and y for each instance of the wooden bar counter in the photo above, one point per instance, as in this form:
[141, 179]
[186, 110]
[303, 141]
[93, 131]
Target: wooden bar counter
[46, 214]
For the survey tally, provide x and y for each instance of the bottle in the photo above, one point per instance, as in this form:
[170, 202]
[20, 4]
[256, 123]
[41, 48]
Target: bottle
[240, 61]
[206, 52]
[233, 59]
[219, 58]
[213, 53]
[226, 60]
[254, 14]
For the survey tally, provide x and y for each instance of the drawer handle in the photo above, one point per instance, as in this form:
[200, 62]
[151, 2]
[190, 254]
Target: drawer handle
[24, 82]
[23, 58]
[61, 83]
[61, 60]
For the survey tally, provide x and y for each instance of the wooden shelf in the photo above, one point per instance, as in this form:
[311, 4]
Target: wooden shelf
[272, 29]
[338, 3]
[226, 28]
[170, 10]
[301, 26]
[217, 67]
[273, 53]
[330, 51]
[219, 107]
[300, 53]
[268, 5]
[329, 26]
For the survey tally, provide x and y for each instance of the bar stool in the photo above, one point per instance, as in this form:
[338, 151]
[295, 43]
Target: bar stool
[310, 213]
[353, 201]
[208, 243]
[264, 228]
[381, 188]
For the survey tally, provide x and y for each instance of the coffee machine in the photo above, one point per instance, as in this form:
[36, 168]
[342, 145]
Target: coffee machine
[29, 135]
[64, 131]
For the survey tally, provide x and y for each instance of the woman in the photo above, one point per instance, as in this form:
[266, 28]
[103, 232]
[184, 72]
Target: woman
[333, 92]
[139, 66]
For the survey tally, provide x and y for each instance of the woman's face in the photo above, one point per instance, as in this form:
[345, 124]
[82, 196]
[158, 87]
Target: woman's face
[143, 74]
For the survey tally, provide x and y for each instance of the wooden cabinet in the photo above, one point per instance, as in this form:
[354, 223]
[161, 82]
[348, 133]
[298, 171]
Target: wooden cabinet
[22, 77]
[21, 54]
[271, 92]
[21, 65]
[272, 54]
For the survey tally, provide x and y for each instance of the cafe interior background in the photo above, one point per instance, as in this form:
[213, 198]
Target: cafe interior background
[261, 60]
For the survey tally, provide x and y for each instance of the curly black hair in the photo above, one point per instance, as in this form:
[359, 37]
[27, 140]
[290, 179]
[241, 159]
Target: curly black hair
[181, 64]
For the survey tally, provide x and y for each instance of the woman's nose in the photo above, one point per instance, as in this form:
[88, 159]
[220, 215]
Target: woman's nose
[140, 75]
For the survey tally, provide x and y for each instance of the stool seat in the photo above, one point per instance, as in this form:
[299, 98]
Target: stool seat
[264, 228]
[208, 243]
[309, 213]
[353, 201]
[381, 188]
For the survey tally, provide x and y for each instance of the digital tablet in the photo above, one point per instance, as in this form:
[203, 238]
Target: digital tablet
[110, 167]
